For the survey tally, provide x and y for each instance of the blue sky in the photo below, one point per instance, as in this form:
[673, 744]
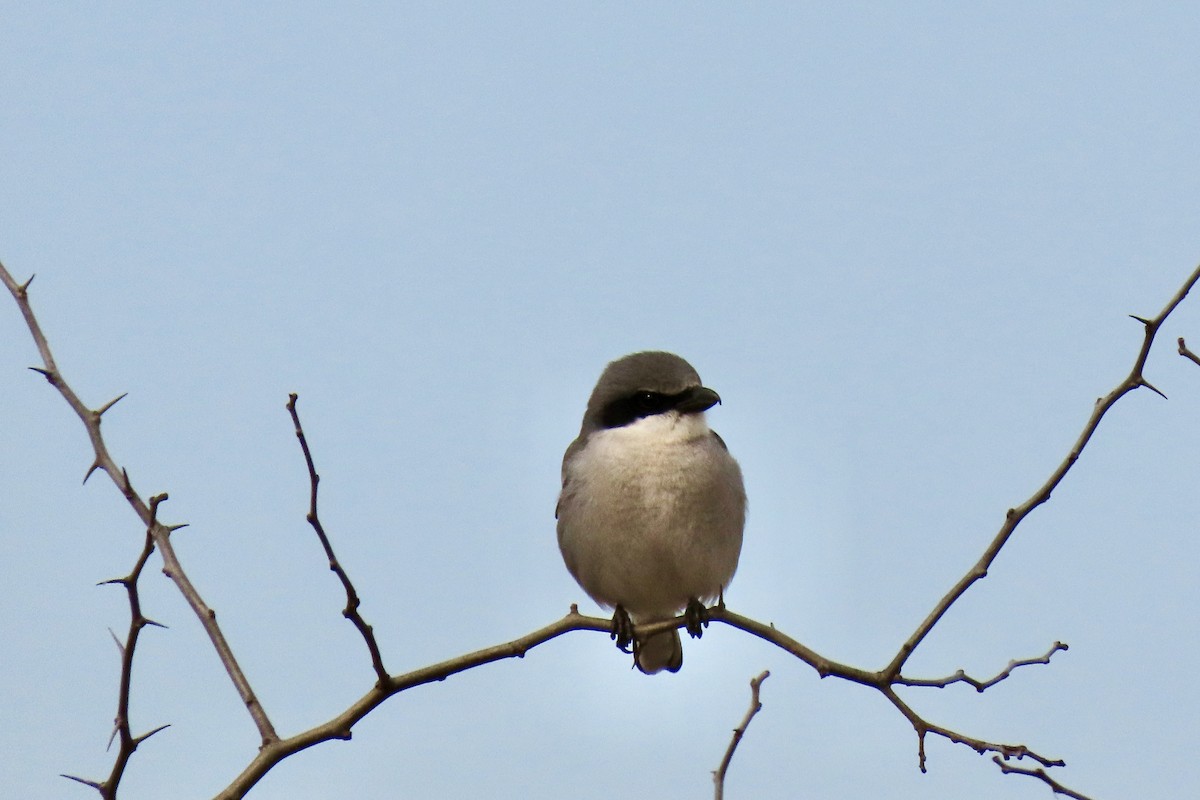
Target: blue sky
[901, 240]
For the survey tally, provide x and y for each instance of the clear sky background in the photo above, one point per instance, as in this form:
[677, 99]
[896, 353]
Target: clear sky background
[900, 239]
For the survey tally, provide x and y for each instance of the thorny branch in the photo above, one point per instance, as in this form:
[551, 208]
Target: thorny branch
[885, 680]
[738, 733]
[121, 730]
[160, 533]
[1015, 516]
[350, 612]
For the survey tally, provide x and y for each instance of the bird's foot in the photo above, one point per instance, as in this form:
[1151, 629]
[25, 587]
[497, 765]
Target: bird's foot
[696, 617]
[622, 630]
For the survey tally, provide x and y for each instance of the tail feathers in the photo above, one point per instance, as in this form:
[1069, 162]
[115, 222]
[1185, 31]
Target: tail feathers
[660, 651]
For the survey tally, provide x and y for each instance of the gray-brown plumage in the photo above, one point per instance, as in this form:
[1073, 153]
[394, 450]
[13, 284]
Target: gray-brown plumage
[652, 506]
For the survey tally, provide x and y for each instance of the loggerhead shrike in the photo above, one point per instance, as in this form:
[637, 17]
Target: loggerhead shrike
[652, 506]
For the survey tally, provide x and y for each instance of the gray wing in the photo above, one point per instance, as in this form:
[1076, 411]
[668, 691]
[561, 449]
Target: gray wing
[573, 448]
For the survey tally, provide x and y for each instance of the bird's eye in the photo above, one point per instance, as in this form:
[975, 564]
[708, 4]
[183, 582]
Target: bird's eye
[646, 401]
[634, 406]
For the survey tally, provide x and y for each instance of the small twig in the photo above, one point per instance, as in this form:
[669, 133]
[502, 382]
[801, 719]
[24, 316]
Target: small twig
[1186, 353]
[350, 612]
[1041, 775]
[738, 733]
[923, 727]
[962, 677]
[172, 568]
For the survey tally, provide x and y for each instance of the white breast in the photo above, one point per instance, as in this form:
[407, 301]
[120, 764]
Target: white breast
[651, 514]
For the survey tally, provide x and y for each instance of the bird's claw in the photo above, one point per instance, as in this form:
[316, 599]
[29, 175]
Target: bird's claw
[696, 617]
[622, 630]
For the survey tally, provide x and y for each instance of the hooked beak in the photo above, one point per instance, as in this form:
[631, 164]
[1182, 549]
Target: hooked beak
[701, 398]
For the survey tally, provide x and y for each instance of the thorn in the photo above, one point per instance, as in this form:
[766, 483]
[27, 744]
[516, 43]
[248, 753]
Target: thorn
[128, 488]
[149, 621]
[95, 466]
[113, 735]
[173, 528]
[1142, 320]
[1152, 388]
[45, 373]
[84, 781]
[116, 641]
[100, 411]
[147, 735]
[24, 287]
[110, 581]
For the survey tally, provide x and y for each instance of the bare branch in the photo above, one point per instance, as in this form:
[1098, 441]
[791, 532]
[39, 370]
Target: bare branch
[340, 726]
[824, 667]
[1014, 516]
[350, 612]
[738, 733]
[980, 686]
[880, 680]
[161, 533]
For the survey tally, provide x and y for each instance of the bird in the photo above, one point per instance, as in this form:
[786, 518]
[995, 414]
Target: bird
[653, 506]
